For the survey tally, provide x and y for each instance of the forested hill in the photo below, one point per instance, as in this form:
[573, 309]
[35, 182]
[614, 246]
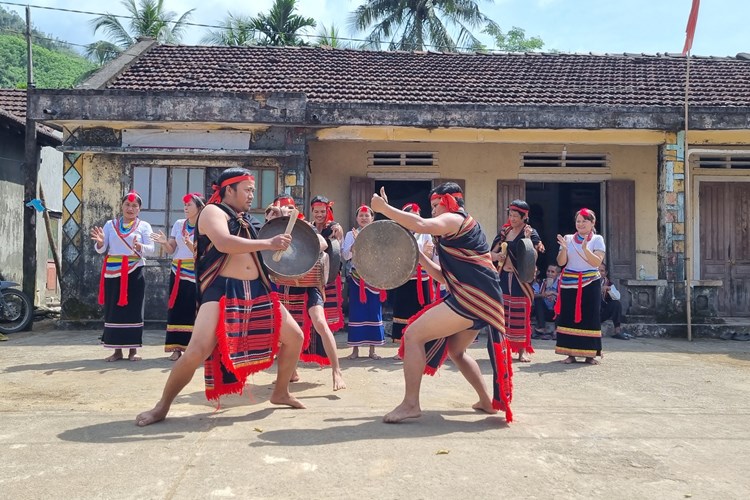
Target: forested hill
[56, 65]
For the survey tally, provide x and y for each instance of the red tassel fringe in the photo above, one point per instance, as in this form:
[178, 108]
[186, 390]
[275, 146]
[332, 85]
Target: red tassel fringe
[420, 290]
[176, 285]
[101, 282]
[339, 324]
[124, 273]
[579, 298]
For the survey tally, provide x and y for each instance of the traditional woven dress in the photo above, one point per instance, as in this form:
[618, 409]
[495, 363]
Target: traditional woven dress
[518, 296]
[365, 309]
[412, 296]
[121, 285]
[474, 292]
[578, 322]
[249, 324]
[182, 299]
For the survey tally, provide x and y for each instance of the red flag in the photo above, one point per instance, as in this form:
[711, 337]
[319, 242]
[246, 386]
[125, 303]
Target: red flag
[690, 30]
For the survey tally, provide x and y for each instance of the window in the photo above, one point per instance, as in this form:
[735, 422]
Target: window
[162, 189]
[401, 159]
[564, 160]
[265, 191]
[738, 162]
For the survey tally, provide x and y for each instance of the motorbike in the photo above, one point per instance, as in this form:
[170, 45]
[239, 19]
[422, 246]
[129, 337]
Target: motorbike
[16, 309]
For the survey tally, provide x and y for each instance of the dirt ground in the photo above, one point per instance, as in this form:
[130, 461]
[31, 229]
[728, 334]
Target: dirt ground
[660, 419]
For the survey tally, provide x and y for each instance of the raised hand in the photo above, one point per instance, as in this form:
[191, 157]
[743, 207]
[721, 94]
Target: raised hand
[379, 202]
[137, 246]
[159, 237]
[561, 241]
[97, 235]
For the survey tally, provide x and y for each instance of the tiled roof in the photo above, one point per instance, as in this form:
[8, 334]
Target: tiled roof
[13, 107]
[335, 75]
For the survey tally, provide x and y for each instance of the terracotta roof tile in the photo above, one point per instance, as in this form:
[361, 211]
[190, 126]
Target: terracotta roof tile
[332, 75]
[13, 107]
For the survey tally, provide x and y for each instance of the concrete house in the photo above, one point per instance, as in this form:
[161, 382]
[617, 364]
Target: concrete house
[562, 131]
[12, 152]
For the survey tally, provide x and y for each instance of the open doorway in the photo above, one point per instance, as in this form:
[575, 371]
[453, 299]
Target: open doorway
[402, 192]
[553, 206]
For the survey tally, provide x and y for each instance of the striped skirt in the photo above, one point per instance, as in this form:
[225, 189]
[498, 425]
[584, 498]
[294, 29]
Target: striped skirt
[583, 339]
[123, 325]
[181, 316]
[365, 319]
[517, 313]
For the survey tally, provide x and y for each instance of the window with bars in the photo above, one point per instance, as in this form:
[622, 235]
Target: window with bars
[735, 162]
[162, 189]
[564, 160]
[401, 159]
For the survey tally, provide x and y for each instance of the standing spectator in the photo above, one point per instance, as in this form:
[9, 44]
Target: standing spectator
[579, 325]
[611, 307]
[545, 297]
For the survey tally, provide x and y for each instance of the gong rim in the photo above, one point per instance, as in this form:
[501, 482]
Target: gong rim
[385, 254]
[334, 259]
[526, 261]
[302, 254]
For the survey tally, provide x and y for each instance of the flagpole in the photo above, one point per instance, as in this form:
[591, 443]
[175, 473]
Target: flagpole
[688, 212]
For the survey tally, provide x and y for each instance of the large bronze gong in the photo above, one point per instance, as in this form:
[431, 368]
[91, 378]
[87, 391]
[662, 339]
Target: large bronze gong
[301, 255]
[385, 254]
[526, 260]
[334, 259]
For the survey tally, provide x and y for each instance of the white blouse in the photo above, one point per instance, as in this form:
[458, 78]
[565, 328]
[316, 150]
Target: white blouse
[576, 260]
[114, 244]
[182, 251]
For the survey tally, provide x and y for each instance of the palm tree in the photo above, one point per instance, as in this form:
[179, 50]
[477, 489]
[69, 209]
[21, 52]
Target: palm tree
[147, 19]
[419, 24]
[329, 37]
[281, 25]
[236, 30]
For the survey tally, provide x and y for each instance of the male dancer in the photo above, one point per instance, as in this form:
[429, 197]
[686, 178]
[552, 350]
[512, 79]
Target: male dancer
[239, 323]
[306, 306]
[447, 327]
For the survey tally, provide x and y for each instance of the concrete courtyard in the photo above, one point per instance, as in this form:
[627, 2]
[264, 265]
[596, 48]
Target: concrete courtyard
[661, 419]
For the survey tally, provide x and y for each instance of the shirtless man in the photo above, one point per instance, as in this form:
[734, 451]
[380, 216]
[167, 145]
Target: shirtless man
[234, 193]
[314, 302]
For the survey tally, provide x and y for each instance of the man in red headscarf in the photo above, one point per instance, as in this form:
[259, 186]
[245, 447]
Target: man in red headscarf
[241, 326]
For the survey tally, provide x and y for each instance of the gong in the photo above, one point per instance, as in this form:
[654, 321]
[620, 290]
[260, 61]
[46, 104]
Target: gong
[334, 259]
[301, 255]
[525, 260]
[385, 254]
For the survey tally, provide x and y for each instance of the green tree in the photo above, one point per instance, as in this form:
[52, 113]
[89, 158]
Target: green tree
[514, 40]
[148, 18]
[329, 37]
[52, 68]
[281, 26]
[236, 30]
[12, 24]
[419, 24]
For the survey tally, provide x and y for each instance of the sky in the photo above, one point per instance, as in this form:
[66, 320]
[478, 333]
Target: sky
[579, 26]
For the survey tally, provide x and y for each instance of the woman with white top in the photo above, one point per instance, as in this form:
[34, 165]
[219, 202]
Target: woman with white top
[181, 307]
[125, 241]
[578, 322]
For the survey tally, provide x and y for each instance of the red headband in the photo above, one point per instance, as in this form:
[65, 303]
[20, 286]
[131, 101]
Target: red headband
[448, 200]
[285, 201]
[585, 212]
[132, 196]
[227, 182]
[413, 206]
[329, 209]
[518, 209]
[363, 207]
[190, 197]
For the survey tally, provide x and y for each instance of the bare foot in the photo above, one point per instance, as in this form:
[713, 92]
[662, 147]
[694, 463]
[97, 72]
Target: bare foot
[117, 356]
[485, 407]
[568, 360]
[157, 414]
[295, 377]
[402, 412]
[175, 356]
[591, 361]
[398, 358]
[287, 400]
[374, 356]
[353, 355]
[524, 358]
[134, 357]
[338, 381]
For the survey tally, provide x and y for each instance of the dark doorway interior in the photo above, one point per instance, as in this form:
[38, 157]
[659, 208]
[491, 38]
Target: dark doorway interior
[553, 206]
[402, 192]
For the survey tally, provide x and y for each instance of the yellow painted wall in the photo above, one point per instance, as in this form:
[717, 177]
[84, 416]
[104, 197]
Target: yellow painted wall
[481, 165]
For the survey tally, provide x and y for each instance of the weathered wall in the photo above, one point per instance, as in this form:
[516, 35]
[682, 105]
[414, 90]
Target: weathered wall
[11, 204]
[50, 178]
[481, 165]
[95, 183]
